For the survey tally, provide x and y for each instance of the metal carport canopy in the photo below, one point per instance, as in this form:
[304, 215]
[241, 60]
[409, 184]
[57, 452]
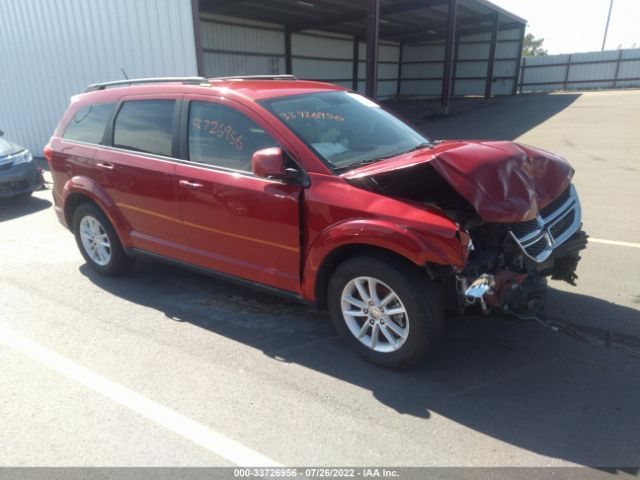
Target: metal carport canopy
[407, 22]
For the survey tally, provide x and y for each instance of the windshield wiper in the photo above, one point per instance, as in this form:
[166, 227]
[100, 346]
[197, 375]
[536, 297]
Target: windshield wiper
[418, 147]
[351, 166]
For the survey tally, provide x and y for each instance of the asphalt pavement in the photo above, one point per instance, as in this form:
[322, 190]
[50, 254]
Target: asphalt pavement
[165, 367]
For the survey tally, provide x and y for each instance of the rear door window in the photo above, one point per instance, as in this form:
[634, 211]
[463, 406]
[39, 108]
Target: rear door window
[224, 137]
[88, 124]
[145, 126]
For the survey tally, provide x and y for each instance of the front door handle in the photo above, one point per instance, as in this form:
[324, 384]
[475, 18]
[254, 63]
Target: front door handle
[190, 184]
[105, 165]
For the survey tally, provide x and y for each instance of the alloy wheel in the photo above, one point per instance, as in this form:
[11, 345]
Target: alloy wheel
[95, 240]
[374, 314]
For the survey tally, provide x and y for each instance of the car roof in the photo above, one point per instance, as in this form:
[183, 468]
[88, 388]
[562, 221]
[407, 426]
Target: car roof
[247, 89]
[260, 89]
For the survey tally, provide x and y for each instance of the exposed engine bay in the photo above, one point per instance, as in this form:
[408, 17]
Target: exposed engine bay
[509, 263]
[518, 207]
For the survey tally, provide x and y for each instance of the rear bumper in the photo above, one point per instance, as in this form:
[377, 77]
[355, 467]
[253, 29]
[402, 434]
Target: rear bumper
[21, 178]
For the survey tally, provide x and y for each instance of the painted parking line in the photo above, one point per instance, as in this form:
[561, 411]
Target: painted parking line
[614, 242]
[170, 419]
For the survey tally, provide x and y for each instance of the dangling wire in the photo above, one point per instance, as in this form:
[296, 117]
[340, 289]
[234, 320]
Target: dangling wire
[627, 344]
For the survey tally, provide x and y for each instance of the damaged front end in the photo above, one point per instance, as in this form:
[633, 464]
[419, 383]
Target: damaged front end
[510, 262]
[516, 203]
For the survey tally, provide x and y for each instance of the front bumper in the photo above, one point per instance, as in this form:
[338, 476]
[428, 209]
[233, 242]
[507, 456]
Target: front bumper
[18, 179]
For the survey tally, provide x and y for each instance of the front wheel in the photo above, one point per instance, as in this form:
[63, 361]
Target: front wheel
[386, 310]
[98, 241]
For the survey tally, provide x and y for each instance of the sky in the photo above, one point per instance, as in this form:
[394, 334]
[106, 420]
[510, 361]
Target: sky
[578, 25]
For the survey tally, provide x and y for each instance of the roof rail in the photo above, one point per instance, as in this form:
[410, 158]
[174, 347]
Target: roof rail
[257, 77]
[101, 86]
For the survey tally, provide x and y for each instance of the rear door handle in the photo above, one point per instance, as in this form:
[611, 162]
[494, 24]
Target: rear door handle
[189, 184]
[105, 165]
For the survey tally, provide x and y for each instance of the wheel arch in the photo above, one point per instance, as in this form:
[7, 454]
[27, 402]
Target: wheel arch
[79, 190]
[380, 236]
[342, 253]
[72, 202]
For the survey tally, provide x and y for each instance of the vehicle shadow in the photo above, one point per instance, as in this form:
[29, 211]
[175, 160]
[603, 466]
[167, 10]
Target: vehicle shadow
[509, 379]
[503, 118]
[14, 207]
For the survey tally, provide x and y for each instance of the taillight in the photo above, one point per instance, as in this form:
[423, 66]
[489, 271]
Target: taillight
[48, 153]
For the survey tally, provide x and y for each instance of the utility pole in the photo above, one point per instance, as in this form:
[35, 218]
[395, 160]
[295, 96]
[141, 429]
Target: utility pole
[606, 29]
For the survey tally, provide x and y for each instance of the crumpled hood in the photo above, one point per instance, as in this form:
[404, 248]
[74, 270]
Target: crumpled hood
[8, 148]
[503, 181]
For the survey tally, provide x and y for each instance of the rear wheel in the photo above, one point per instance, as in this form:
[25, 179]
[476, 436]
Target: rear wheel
[98, 242]
[386, 310]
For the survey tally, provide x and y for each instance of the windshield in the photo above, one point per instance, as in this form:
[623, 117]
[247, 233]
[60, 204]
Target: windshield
[345, 129]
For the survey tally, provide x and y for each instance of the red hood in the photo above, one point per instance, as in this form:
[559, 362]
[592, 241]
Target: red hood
[503, 181]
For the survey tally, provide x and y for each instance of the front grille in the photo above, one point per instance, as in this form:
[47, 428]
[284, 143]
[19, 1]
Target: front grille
[557, 203]
[5, 166]
[520, 229]
[537, 247]
[553, 226]
[563, 224]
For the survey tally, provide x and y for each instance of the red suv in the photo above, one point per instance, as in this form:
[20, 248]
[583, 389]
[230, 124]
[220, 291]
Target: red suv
[315, 192]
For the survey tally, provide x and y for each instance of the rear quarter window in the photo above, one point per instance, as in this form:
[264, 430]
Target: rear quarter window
[145, 126]
[88, 124]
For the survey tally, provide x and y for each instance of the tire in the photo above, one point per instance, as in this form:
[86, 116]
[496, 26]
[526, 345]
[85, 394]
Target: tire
[414, 294]
[107, 258]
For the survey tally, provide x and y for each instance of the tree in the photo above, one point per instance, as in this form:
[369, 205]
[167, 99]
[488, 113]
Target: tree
[532, 46]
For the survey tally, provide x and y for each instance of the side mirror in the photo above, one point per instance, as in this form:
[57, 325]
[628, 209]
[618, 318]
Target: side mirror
[1, 133]
[269, 163]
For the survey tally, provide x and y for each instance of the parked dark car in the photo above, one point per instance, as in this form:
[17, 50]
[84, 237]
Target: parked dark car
[18, 174]
[317, 193]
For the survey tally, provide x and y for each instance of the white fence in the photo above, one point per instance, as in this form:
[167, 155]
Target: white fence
[578, 71]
